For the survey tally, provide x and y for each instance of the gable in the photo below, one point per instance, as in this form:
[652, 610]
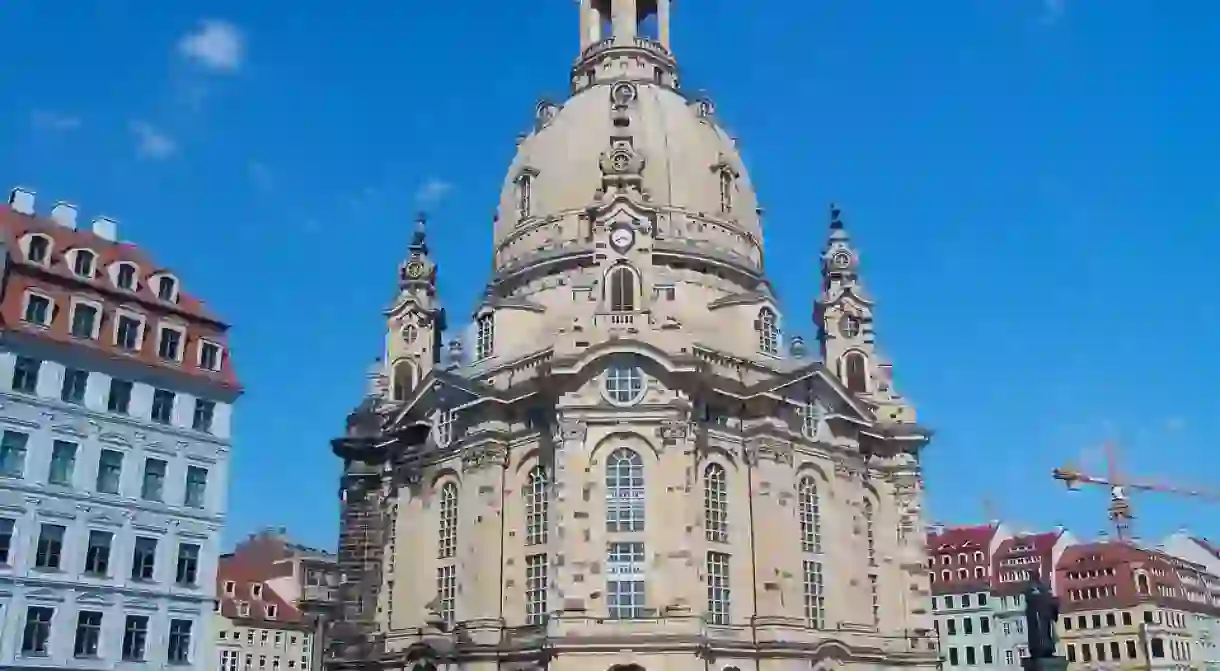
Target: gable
[818, 383]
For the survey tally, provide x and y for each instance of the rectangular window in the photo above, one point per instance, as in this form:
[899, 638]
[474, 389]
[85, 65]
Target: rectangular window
[718, 593]
[119, 399]
[50, 550]
[967, 626]
[1071, 653]
[135, 638]
[987, 655]
[163, 406]
[535, 589]
[1086, 653]
[84, 321]
[25, 374]
[188, 564]
[485, 337]
[952, 626]
[153, 486]
[1132, 653]
[446, 591]
[63, 463]
[204, 410]
[109, 471]
[196, 487]
[38, 309]
[985, 624]
[144, 559]
[97, 555]
[1010, 658]
[127, 332]
[209, 355]
[6, 539]
[12, 454]
[170, 346]
[625, 501]
[815, 594]
[625, 581]
[179, 651]
[36, 637]
[1115, 651]
[1110, 621]
[953, 660]
[970, 661]
[74, 386]
[88, 634]
[875, 593]
[1101, 651]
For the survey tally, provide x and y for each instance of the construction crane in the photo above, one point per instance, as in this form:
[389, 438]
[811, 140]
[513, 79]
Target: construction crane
[1120, 486]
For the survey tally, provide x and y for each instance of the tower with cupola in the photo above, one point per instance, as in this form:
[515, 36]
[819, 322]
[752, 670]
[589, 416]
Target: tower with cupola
[415, 320]
[625, 467]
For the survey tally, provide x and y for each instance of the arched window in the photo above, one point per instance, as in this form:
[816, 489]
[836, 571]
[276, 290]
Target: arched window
[853, 368]
[1141, 583]
[978, 572]
[403, 380]
[536, 506]
[768, 332]
[525, 195]
[978, 556]
[167, 288]
[485, 340]
[622, 290]
[810, 515]
[961, 557]
[726, 190]
[870, 532]
[448, 527]
[624, 491]
[716, 503]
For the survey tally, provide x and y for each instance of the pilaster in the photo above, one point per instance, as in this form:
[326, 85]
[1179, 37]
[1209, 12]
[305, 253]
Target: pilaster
[481, 572]
[772, 480]
[569, 504]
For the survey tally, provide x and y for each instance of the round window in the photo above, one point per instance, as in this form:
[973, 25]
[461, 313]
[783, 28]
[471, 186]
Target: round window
[624, 384]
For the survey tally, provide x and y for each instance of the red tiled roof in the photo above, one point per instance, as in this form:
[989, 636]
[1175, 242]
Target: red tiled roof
[244, 576]
[57, 279]
[977, 537]
[1111, 567]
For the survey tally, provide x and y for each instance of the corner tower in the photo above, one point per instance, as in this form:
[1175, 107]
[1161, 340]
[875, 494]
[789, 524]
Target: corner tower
[626, 469]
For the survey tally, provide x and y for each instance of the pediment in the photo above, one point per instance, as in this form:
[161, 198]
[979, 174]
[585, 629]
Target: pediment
[95, 597]
[104, 519]
[491, 303]
[815, 380]
[759, 298]
[441, 389]
[623, 210]
[77, 430]
[138, 603]
[114, 438]
[44, 594]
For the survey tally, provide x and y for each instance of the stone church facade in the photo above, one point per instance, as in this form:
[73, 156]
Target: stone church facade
[625, 465]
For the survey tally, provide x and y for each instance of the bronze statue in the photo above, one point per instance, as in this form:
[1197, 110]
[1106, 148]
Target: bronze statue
[1041, 613]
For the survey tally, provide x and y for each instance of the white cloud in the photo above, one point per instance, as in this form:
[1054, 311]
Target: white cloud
[216, 45]
[432, 192]
[49, 120]
[151, 142]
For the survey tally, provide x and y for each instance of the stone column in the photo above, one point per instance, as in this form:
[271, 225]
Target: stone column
[772, 481]
[588, 24]
[566, 532]
[663, 23]
[622, 18]
[483, 511]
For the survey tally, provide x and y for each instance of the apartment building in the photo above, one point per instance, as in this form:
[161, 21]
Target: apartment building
[115, 396]
[1126, 607]
[275, 601]
[959, 562]
[1205, 628]
[1016, 560]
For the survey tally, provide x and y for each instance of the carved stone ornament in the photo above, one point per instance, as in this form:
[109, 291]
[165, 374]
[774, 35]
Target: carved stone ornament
[573, 429]
[478, 457]
[673, 430]
[623, 94]
[621, 159]
[704, 108]
[770, 450]
[545, 113]
[847, 472]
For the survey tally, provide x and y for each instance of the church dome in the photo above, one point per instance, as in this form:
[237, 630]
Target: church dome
[682, 147]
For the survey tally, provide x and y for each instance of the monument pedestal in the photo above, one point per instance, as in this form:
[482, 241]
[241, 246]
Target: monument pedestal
[1044, 664]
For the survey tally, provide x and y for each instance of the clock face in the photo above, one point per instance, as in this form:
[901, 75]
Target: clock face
[415, 270]
[622, 238]
[841, 259]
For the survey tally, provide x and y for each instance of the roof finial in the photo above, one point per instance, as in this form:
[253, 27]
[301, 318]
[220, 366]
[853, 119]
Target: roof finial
[421, 223]
[836, 223]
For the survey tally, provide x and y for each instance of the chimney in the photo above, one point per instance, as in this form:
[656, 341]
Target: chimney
[21, 200]
[64, 214]
[106, 228]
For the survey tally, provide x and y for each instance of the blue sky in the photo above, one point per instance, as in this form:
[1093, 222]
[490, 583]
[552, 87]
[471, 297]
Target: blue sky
[1033, 186]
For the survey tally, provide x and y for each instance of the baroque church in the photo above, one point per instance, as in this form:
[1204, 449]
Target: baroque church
[625, 465]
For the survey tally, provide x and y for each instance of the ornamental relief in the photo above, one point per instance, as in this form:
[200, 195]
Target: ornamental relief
[769, 449]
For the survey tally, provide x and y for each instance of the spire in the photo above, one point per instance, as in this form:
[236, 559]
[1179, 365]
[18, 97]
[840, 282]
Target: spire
[634, 34]
[418, 270]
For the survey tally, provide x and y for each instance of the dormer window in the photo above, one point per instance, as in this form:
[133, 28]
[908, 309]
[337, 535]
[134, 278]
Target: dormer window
[125, 277]
[209, 355]
[768, 332]
[525, 189]
[485, 337]
[38, 250]
[256, 590]
[243, 609]
[82, 263]
[230, 588]
[38, 309]
[272, 611]
[167, 289]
